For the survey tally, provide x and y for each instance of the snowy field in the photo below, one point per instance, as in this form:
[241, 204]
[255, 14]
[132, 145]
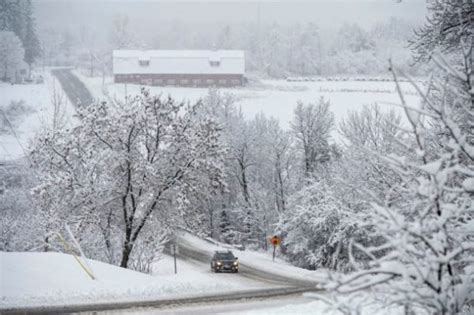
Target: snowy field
[276, 98]
[39, 99]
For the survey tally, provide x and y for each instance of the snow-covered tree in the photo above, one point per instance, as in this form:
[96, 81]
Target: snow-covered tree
[316, 228]
[127, 164]
[30, 42]
[12, 17]
[311, 126]
[258, 166]
[66, 45]
[18, 219]
[325, 214]
[353, 38]
[121, 36]
[308, 58]
[425, 260]
[367, 134]
[225, 38]
[17, 17]
[280, 169]
[11, 54]
[449, 24]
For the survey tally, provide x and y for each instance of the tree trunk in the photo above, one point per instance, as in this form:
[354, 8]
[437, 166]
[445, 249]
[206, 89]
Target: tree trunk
[127, 246]
[46, 244]
[126, 251]
[211, 220]
[243, 182]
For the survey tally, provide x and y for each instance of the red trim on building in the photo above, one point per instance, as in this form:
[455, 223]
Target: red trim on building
[190, 80]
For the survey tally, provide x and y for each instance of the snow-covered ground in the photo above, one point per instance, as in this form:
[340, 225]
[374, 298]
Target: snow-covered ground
[276, 98]
[47, 279]
[54, 279]
[256, 260]
[38, 97]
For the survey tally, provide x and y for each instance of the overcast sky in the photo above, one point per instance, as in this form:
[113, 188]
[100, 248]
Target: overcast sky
[149, 17]
[322, 12]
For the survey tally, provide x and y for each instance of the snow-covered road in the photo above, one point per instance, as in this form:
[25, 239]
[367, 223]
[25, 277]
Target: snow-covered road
[75, 90]
[54, 283]
[295, 302]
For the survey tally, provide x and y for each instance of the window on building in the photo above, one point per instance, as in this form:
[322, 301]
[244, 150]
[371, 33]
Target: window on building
[197, 81]
[184, 82]
[210, 82]
[214, 63]
[171, 82]
[144, 63]
[222, 81]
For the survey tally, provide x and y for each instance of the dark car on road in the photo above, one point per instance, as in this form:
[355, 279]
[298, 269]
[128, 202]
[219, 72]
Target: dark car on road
[224, 261]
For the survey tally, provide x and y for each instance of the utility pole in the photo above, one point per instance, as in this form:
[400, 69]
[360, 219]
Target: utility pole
[175, 252]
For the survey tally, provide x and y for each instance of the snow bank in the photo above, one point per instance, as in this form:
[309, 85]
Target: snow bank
[316, 307]
[49, 279]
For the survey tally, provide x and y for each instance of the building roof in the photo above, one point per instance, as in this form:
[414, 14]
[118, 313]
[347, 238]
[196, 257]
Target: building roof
[178, 61]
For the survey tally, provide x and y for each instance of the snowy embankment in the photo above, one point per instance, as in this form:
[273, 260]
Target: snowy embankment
[51, 279]
[276, 98]
[40, 100]
[30, 280]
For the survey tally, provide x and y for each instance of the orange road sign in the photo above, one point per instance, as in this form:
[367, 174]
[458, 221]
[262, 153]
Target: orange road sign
[275, 240]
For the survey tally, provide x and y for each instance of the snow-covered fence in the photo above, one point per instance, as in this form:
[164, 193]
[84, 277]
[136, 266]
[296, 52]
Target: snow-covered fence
[348, 78]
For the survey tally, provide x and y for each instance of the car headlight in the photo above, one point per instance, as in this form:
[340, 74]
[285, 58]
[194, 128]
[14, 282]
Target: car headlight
[236, 263]
[219, 263]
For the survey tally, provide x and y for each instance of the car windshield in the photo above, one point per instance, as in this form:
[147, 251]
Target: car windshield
[225, 256]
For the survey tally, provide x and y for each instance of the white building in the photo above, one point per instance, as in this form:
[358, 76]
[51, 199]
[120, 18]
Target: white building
[179, 67]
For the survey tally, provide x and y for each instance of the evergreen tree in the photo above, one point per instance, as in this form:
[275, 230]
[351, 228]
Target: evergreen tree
[224, 226]
[11, 55]
[12, 17]
[5, 15]
[17, 17]
[30, 41]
